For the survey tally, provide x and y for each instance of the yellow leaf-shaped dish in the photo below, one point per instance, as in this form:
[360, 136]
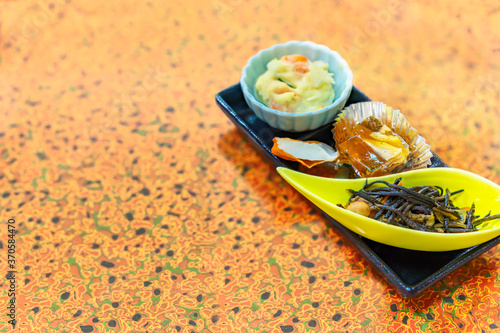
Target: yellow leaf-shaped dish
[326, 193]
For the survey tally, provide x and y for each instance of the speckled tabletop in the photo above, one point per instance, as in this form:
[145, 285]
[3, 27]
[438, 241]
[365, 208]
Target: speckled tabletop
[139, 207]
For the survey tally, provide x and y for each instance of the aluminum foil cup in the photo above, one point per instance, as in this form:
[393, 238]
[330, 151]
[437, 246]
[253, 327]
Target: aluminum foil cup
[420, 152]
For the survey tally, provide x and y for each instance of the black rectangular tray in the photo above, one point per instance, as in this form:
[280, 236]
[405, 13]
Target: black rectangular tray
[410, 272]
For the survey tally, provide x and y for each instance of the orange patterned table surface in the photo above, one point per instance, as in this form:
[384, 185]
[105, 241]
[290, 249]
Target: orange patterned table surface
[139, 207]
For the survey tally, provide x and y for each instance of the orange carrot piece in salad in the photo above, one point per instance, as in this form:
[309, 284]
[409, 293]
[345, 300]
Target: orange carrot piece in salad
[300, 62]
[293, 58]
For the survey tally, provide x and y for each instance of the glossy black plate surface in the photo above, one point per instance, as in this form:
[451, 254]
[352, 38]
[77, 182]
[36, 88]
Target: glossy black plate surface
[410, 272]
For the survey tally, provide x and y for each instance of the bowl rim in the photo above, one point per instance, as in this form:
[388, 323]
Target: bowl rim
[344, 95]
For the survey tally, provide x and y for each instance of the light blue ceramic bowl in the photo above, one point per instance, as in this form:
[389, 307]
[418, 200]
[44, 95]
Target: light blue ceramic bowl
[297, 122]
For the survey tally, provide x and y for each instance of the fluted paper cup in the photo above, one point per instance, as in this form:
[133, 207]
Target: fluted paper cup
[420, 152]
